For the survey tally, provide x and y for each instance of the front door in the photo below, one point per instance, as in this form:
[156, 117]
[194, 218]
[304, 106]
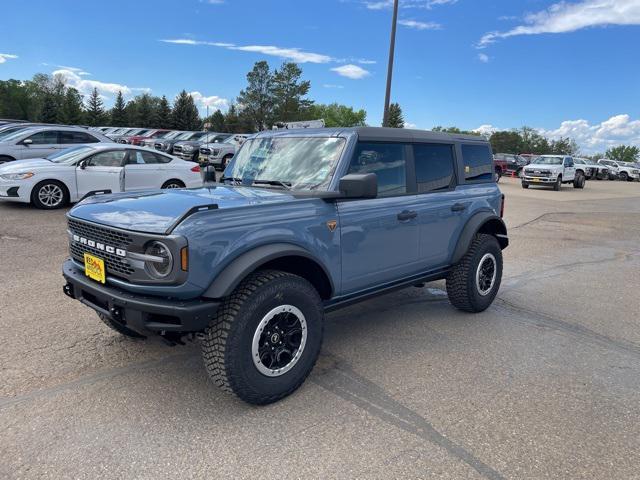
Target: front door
[102, 172]
[569, 169]
[379, 236]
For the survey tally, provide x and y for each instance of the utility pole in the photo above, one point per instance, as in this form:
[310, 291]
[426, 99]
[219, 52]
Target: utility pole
[392, 47]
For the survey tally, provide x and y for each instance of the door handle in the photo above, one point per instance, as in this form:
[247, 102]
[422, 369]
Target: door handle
[458, 207]
[407, 215]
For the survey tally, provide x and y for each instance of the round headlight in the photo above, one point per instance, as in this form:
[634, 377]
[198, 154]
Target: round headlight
[162, 266]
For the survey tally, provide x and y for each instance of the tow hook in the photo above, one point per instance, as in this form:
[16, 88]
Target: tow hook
[68, 291]
[116, 314]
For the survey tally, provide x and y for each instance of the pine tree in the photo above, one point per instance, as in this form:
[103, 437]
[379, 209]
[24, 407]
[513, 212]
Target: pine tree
[216, 122]
[257, 98]
[395, 118]
[144, 111]
[49, 112]
[72, 107]
[185, 114]
[95, 109]
[118, 114]
[288, 92]
[164, 113]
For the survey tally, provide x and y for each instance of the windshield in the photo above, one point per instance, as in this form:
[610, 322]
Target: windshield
[9, 131]
[296, 162]
[197, 135]
[549, 161]
[170, 135]
[217, 138]
[70, 156]
[184, 136]
[17, 134]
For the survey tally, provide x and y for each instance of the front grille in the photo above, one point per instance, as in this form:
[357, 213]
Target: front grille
[158, 146]
[538, 173]
[115, 265]
[205, 151]
[177, 149]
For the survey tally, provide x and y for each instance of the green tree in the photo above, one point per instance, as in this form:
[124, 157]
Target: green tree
[533, 142]
[336, 115]
[118, 114]
[143, 111]
[257, 98]
[72, 109]
[563, 146]
[185, 114]
[288, 93]
[454, 130]
[163, 116]
[395, 118]
[95, 109]
[49, 111]
[216, 122]
[624, 153]
[15, 100]
[506, 142]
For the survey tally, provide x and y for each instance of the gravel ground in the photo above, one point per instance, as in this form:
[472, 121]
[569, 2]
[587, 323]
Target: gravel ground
[544, 384]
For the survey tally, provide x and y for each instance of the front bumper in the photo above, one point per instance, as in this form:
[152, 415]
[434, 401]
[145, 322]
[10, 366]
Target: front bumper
[15, 193]
[540, 180]
[143, 314]
[186, 155]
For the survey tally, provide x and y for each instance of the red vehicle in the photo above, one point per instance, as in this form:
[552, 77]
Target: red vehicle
[499, 167]
[138, 139]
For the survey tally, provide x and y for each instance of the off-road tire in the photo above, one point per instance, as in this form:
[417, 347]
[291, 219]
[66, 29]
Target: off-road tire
[35, 200]
[121, 329]
[461, 281]
[558, 185]
[579, 180]
[227, 342]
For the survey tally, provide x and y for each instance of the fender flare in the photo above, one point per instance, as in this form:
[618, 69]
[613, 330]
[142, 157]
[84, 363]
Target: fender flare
[485, 218]
[229, 278]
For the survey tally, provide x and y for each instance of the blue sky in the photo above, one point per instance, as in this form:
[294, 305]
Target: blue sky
[566, 68]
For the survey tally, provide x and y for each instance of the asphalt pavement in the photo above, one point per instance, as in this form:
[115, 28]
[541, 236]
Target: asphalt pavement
[544, 384]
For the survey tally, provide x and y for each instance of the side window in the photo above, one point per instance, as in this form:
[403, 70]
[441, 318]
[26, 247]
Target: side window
[76, 137]
[113, 158]
[478, 163]
[163, 159]
[44, 138]
[387, 161]
[434, 167]
[138, 157]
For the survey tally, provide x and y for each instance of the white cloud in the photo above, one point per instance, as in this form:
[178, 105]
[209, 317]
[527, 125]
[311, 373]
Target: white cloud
[617, 130]
[7, 56]
[351, 71]
[84, 86]
[293, 54]
[425, 4]
[568, 17]
[483, 57]
[420, 25]
[485, 129]
[410, 125]
[213, 102]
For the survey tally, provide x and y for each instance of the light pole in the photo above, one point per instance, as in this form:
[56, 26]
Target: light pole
[392, 47]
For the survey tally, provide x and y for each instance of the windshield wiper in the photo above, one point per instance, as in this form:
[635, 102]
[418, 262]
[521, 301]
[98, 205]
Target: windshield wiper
[235, 180]
[285, 185]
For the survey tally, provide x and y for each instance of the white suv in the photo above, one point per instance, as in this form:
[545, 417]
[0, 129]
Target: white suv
[626, 171]
[552, 170]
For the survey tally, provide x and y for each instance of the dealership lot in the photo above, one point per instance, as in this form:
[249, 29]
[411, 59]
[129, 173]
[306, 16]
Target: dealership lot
[545, 384]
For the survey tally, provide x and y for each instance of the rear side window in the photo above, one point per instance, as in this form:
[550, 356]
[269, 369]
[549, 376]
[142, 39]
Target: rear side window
[434, 167]
[387, 161]
[44, 138]
[478, 163]
[76, 137]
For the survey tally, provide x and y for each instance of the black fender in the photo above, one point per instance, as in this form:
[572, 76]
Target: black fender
[485, 221]
[229, 278]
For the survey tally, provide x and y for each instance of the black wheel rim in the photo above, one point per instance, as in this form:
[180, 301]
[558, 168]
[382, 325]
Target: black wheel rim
[486, 274]
[279, 340]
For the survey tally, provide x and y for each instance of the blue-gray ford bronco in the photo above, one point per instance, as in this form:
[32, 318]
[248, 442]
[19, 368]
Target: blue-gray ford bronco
[302, 222]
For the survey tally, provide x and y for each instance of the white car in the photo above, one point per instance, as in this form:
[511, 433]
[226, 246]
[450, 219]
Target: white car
[552, 170]
[72, 174]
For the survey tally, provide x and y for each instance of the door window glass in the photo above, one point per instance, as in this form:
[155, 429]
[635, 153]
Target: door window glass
[48, 137]
[387, 161]
[434, 167]
[76, 137]
[478, 163]
[113, 158]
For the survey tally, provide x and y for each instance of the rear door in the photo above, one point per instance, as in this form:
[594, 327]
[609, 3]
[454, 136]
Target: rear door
[379, 236]
[443, 207]
[102, 172]
[142, 171]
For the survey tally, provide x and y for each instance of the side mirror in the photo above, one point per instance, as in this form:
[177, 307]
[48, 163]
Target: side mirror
[83, 164]
[359, 185]
[27, 141]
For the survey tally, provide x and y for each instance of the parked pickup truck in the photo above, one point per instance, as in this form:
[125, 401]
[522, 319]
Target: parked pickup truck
[190, 149]
[625, 171]
[591, 169]
[220, 153]
[553, 171]
[305, 222]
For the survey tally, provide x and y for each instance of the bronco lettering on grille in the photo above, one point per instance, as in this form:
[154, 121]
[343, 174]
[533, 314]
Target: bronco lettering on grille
[99, 246]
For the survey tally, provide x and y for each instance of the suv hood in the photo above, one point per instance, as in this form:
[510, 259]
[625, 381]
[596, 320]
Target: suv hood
[158, 211]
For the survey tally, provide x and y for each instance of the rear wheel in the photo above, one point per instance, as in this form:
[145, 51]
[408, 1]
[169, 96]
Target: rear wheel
[173, 184]
[473, 283]
[624, 176]
[6, 158]
[497, 175]
[579, 180]
[49, 195]
[265, 337]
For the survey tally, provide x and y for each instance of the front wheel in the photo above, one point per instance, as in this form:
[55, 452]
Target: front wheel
[558, 185]
[525, 185]
[473, 282]
[624, 176]
[265, 337]
[225, 161]
[49, 195]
